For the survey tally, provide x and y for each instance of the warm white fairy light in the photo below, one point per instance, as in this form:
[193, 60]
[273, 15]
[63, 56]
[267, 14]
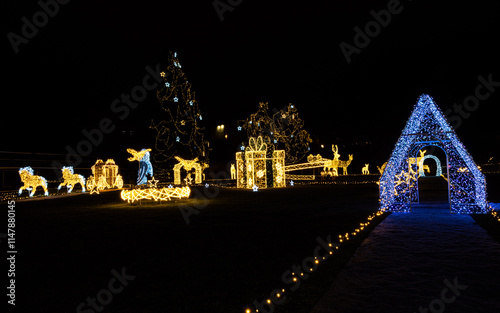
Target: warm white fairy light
[188, 165]
[104, 175]
[31, 181]
[251, 166]
[156, 194]
[298, 277]
[71, 179]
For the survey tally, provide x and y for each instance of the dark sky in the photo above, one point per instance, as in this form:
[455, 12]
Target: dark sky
[64, 79]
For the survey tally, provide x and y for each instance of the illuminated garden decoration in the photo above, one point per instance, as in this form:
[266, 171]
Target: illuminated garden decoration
[145, 167]
[188, 165]
[255, 168]
[284, 130]
[31, 181]
[104, 175]
[422, 167]
[427, 126]
[177, 127]
[156, 194]
[365, 170]
[71, 179]
[332, 167]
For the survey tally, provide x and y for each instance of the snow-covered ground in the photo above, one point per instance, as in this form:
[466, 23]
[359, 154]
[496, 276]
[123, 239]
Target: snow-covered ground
[403, 264]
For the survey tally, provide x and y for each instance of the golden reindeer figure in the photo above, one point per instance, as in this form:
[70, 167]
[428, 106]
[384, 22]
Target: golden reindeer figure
[344, 164]
[331, 167]
[365, 170]
[31, 181]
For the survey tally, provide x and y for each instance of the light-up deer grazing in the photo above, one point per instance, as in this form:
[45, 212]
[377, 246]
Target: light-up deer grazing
[365, 170]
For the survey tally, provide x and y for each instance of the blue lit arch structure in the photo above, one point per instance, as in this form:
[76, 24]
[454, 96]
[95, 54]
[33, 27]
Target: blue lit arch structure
[427, 126]
[421, 172]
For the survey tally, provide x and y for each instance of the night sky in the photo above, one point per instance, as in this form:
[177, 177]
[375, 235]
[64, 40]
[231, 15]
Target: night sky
[65, 78]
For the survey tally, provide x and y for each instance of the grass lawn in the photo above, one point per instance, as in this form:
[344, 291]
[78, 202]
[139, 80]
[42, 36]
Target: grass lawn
[232, 253]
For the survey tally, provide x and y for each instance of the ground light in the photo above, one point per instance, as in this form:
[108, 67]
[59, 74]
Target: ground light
[276, 295]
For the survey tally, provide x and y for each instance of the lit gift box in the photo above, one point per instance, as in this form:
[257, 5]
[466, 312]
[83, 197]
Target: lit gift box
[255, 168]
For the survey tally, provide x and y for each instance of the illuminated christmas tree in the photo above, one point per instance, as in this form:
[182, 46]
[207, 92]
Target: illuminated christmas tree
[178, 130]
[283, 131]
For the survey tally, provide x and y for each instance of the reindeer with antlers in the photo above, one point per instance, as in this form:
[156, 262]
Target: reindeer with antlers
[334, 164]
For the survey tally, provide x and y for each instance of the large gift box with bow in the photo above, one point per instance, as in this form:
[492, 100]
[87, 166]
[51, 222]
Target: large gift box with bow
[255, 168]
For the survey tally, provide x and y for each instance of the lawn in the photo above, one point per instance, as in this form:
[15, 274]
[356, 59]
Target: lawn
[234, 251]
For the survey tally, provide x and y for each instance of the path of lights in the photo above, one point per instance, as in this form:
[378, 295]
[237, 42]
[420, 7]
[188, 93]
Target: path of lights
[156, 194]
[71, 179]
[427, 126]
[277, 296]
[31, 181]
[145, 166]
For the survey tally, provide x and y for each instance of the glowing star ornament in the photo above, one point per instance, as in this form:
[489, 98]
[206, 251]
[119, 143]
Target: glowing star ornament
[152, 182]
[145, 166]
[71, 179]
[427, 126]
[31, 181]
[255, 188]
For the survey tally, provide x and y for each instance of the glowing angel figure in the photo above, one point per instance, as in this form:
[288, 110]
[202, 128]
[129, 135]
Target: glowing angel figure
[31, 181]
[71, 179]
[145, 166]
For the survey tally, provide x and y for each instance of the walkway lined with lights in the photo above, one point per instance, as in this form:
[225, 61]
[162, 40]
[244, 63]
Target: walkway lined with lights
[403, 264]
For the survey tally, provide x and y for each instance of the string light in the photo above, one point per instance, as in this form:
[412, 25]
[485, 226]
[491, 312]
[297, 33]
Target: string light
[188, 165]
[31, 181]
[427, 126]
[178, 131]
[71, 179]
[163, 194]
[251, 166]
[145, 166]
[104, 175]
[283, 130]
[233, 171]
[342, 238]
[421, 165]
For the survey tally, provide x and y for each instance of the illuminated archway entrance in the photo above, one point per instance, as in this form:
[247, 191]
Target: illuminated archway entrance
[427, 126]
[432, 185]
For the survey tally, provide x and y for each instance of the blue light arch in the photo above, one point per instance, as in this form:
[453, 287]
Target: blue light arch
[427, 126]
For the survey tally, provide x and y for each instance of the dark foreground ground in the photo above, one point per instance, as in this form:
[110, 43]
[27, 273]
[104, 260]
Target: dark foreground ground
[232, 253]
